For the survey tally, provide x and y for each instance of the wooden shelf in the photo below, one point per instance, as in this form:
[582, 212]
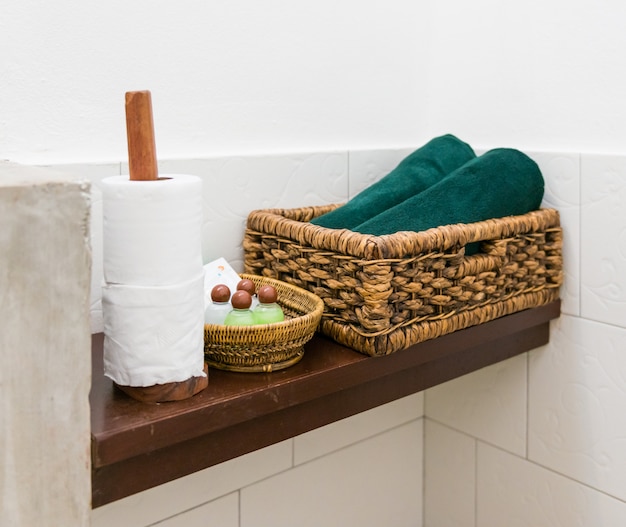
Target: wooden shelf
[136, 446]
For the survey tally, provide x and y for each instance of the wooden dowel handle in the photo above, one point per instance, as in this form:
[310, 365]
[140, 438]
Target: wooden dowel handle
[142, 157]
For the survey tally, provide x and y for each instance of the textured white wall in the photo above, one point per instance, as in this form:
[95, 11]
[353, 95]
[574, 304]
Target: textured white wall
[226, 77]
[257, 77]
[538, 75]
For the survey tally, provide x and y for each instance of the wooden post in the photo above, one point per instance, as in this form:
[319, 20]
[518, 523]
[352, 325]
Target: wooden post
[142, 158]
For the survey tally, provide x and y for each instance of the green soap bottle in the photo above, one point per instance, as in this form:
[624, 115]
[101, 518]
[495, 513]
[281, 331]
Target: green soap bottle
[268, 311]
[241, 314]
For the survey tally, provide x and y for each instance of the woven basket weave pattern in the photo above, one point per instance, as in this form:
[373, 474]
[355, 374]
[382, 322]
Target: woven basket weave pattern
[266, 347]
[385, 293]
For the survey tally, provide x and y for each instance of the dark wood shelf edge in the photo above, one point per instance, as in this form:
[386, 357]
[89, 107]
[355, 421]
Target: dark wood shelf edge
[297, 403]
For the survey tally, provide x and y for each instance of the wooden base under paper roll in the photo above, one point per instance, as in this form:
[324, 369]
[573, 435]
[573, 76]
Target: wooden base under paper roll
[171, 391]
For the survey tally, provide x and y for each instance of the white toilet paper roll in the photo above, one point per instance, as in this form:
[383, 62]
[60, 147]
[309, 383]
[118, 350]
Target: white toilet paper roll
[153, 335]
[153, 296]
[152, 230]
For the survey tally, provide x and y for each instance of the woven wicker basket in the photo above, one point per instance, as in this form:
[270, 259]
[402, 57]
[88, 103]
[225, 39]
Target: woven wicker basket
[386, 293]
[266, 347]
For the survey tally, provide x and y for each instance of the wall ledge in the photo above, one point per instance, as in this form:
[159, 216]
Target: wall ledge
[136, 446]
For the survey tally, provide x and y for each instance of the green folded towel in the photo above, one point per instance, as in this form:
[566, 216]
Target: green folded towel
[421, 169]
[501, 182]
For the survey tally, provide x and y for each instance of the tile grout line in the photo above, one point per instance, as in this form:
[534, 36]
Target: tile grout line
[424, 424]
[580, 234]
[239, 507]
[552, 471]
[360, 440]
[475, 482]
[527, 431]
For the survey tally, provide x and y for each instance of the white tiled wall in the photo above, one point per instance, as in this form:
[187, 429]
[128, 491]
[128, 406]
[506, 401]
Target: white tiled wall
[327, 439]
[471, 483]
[565, 401]
[603, 239]
[184, 494]
[372, 483]
[537, 440]
[357, 471]
[578, 401]
[449, 475]
[513, 491]
[490, 404]
[562, 191]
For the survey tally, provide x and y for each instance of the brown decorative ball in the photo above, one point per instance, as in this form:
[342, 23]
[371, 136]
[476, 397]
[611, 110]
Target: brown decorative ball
[220, 293]
[267, 294]
[241, 299]
[246, 285]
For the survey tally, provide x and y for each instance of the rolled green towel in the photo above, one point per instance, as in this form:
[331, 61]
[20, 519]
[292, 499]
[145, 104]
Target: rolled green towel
[501, 182]
[415, 173]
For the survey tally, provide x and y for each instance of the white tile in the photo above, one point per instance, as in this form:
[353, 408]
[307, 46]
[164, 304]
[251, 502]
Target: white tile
[234, 186]
[561, 174]
[368, 166]
[176, 496]
[449, 477]
[357, 427]
[223, 512]
[375, 482]
[603, 246]
[577, 403]
[489, 404]
[514, 492]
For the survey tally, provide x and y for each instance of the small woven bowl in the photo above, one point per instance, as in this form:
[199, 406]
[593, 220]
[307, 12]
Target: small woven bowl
[266, 347]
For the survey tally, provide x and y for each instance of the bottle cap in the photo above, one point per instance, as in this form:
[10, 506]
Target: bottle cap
[267, 294]
[241, 299]
[220, 293]
[246, 285]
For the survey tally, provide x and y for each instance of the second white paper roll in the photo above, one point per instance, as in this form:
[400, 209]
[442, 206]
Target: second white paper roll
[154, 335]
